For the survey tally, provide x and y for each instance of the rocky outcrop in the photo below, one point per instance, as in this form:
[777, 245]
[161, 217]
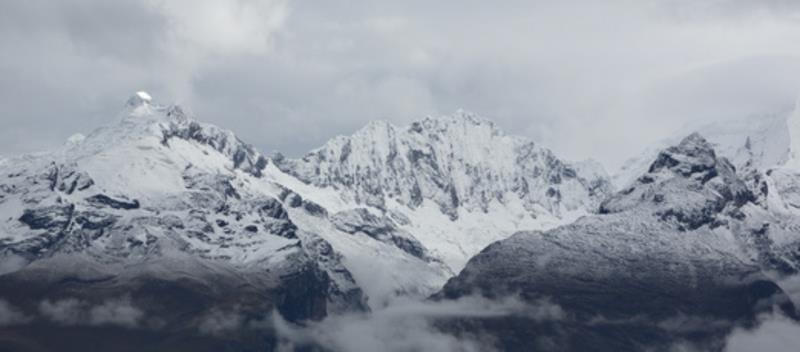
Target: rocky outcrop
[243, 155]
[381, 228]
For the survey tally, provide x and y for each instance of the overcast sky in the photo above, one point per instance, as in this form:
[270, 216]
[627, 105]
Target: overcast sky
[597, 79]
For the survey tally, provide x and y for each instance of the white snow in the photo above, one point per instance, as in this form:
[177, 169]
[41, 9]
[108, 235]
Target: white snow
[794, 137]
[144, 96]
[769, 136]
[77, 138]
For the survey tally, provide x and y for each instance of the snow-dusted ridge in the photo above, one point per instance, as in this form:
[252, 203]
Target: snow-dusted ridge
[768, 135]
[460, 162]
[763, 148]
[159, 196]
[460, 181]
[186, 221]
[390, 211]
[683, 253]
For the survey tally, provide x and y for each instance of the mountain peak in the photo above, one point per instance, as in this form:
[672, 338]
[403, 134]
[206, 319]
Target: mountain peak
[460, 116]
[139, 98]
[693, 154]
[695, 140]
[686, 183]
[458, 161]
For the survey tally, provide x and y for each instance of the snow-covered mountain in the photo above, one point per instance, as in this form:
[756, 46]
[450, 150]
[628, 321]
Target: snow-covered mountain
[158, 220]
[768, 136]
[763, 148]
[172, 214]
[157, 199]
[680, 254]
[457, 183]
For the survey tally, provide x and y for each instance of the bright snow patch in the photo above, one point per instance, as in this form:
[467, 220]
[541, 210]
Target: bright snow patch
[139, 98]
[77, 138]
[144, 96]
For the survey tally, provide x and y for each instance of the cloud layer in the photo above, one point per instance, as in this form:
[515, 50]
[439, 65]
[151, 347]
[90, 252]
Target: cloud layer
[556, 72]
[71, 311]
[409, 326]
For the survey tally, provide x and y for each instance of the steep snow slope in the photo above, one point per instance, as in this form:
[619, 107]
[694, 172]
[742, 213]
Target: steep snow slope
[456, 183]
[677, 255]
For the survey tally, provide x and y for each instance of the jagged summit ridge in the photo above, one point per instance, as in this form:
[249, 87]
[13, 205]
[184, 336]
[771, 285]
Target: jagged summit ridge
[768, 136]
[686, 183]
[164, 182]
[692, 155]
[761, 148]
[459, 162]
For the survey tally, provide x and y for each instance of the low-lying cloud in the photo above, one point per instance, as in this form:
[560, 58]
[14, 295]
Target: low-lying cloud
[116, 312]
[72, 311]
[10, 315]
[406, 325]
[218, 322]
[409, 326]
[775, 333]
[10, 263]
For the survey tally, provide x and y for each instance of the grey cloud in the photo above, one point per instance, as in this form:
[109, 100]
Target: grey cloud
[554, 71]
[10, 315]
[72, 311]
[11, 263]
[123, 30]
[775, 333]
[407, 325]
[218, 322]
[731, 9]
[69, 311]
[116, 312]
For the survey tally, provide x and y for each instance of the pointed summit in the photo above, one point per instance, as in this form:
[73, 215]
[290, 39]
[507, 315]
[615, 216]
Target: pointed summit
[693, 154]
[139, 98]
[686, 182]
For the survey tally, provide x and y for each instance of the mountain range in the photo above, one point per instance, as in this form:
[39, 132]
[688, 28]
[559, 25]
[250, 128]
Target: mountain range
[160, 232]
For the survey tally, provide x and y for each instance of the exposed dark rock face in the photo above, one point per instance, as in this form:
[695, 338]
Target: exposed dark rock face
[274, 209]
[341, 289]
[380, 228]
[314, 208]
[243, 155]
[101, 200]
[54, 218]
[67, 179]
[686, 184]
